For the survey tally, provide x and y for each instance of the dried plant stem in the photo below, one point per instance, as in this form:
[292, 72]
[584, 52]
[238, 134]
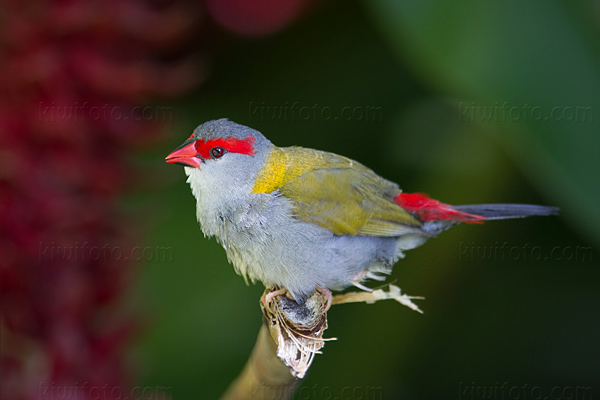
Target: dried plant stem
[265, 376]
[393, 293]
[290, 337]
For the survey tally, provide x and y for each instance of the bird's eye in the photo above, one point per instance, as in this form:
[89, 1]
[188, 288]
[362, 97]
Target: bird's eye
[217, 152]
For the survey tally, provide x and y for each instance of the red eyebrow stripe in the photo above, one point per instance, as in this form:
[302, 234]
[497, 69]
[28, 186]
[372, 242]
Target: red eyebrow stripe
[232, 145]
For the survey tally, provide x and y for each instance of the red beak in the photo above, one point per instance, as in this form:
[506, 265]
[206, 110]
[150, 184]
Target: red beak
[185, 155]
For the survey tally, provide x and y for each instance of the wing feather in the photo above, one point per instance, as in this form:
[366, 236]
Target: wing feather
[336, 193]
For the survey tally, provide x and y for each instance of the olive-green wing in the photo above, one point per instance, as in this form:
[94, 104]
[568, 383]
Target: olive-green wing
[344, 196]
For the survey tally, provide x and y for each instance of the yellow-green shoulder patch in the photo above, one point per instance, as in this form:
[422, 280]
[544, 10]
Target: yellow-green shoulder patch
[283, 165]
[271, 177]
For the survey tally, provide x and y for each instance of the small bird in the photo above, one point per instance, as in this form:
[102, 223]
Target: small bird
[302, 220]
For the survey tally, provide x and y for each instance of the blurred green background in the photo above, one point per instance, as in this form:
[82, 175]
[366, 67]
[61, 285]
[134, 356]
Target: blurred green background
[469, 101]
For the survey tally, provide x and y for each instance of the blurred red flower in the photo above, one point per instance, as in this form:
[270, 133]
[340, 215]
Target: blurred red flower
[76, 81]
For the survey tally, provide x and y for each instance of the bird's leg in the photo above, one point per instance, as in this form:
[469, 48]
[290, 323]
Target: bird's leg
[268, 297]
[327, 293]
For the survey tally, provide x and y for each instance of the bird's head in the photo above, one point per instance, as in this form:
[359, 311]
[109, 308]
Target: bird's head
[222, 156]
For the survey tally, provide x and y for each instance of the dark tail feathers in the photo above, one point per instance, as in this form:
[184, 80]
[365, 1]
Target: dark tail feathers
[504, 211]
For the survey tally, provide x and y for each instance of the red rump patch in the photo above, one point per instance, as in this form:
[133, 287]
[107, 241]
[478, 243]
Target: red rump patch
[427, 209]
[232, 145]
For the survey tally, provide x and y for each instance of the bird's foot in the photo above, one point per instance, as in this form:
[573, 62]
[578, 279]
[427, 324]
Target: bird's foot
[328, 296]
[267, 298]
[297, 328]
